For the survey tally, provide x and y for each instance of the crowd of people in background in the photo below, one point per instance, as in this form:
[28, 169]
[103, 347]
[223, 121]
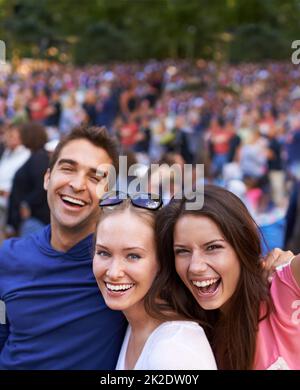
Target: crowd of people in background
[241, 121]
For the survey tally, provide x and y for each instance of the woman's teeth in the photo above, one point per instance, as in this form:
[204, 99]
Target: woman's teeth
[118, 287]
[208, 286]
[204, 283]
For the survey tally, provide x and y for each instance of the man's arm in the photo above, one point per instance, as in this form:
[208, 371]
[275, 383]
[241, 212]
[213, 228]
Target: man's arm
[291, 216]
[295, 266]
[276, 258]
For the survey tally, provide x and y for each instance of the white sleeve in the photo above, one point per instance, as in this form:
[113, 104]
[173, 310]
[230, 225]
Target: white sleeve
[187, 349]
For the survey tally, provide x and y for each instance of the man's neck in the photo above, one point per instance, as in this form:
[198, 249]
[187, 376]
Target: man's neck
[63, 239]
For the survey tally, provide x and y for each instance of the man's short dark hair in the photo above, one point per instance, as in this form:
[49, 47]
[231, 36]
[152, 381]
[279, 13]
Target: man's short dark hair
[97, 136]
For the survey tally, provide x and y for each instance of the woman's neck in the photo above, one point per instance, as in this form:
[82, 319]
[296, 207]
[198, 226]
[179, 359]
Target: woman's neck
[139, 320]
[142, 325]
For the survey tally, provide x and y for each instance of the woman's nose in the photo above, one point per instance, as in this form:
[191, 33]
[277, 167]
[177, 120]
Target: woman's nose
[197, 264]
[115, 270]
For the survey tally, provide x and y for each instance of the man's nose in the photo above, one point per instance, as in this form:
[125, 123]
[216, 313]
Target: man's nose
[78, 183]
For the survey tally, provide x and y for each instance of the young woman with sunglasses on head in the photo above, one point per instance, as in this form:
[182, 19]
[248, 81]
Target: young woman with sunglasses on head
[216, 252]
[125, 265]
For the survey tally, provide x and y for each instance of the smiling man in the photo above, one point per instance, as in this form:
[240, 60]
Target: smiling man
[55, 316]
[71, 183]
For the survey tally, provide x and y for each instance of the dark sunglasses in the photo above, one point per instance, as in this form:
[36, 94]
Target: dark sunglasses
[142, 200]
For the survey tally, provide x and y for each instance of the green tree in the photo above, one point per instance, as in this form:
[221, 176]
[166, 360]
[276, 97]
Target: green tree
[103, 30]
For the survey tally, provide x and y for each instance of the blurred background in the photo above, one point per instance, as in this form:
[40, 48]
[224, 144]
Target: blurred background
[198, 81]
[130, 30]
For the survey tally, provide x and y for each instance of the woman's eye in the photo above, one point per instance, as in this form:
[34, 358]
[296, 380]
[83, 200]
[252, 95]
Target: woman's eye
[133, 256]
[180, 251]
[102, 253]
[213, 247]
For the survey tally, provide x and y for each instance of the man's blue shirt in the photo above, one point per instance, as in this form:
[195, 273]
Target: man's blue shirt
[56, 317]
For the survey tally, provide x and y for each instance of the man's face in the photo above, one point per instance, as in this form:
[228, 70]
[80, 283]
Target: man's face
[72, 185]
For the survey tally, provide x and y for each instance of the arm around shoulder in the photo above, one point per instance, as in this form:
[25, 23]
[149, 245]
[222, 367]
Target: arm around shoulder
[295, 266]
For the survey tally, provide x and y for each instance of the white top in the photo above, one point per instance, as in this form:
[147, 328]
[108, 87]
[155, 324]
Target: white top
[10, 162]
[173, 345]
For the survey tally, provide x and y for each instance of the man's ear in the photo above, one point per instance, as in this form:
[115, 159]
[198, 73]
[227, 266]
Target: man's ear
[46, 179]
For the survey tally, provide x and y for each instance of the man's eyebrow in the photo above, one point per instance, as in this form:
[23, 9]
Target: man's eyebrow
[67, 161]
[62, 161]
[93, 171]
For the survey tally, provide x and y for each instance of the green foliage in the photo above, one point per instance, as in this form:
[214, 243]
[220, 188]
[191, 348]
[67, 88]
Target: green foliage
[102, 42]
[256, 42]
[106, 30]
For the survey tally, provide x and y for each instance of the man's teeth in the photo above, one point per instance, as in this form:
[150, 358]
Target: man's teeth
[73, 200]
[204, 283]
[118, 287]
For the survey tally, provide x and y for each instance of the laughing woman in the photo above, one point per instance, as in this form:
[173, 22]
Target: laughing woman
[215, 251]
[125, 265]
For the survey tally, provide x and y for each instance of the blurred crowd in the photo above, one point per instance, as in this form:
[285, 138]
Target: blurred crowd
[241, 121]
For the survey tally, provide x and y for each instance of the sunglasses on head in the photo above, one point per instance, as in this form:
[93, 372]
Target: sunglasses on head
[143, 200]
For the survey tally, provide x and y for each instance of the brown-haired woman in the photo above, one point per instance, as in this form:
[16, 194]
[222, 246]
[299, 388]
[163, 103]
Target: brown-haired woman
[216, 252]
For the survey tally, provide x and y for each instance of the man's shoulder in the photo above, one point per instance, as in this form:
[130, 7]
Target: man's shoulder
[16, 246]
[13, 245]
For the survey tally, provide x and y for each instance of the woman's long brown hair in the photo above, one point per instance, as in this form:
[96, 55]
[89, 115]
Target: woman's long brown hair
[232, 334]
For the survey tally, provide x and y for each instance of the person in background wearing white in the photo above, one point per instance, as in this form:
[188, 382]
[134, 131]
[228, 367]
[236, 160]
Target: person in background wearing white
[14, 156]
